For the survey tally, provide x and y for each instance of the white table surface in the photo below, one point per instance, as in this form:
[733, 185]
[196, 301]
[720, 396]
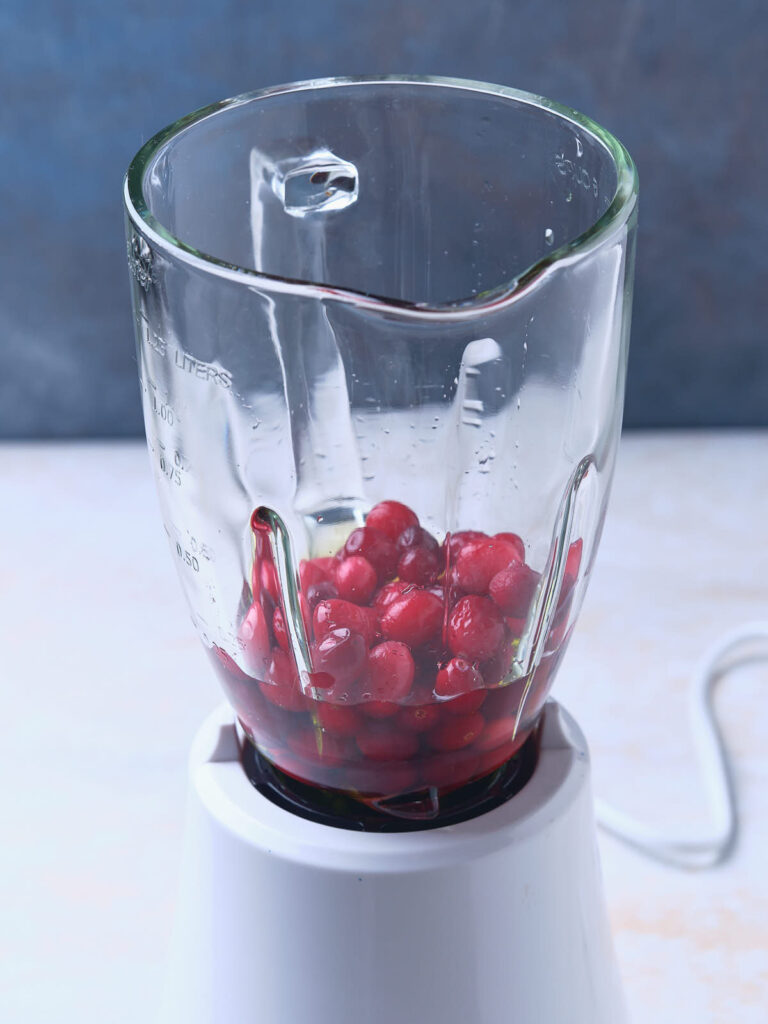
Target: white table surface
[103, 684]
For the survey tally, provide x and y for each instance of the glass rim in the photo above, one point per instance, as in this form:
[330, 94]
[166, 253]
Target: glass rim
[613, 219]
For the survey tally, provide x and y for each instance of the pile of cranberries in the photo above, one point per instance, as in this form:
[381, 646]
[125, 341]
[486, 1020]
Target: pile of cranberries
[409, 645]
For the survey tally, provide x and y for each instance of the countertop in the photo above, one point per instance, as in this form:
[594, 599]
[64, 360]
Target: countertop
[103, 684]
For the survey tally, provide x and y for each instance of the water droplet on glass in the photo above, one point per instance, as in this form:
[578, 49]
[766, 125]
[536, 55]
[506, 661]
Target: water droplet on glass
[569, 197]
[549, 236]
[579, 147]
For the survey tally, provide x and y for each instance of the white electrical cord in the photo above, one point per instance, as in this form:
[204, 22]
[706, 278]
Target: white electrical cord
[705, 850]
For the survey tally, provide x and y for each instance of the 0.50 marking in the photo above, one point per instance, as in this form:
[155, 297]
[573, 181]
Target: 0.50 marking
[188, 558]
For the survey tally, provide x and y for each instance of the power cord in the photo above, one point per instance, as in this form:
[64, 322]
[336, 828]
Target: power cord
[706, 850]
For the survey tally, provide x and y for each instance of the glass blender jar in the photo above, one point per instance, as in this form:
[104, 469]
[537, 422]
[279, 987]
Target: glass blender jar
[382, 343]
[382, 330]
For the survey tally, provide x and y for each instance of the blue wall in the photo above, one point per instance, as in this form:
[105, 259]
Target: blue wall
[684, 84]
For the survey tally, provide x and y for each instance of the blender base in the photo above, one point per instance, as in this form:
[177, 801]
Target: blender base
[497, 919]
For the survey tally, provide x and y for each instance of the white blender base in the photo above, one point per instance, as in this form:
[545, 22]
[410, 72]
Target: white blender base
[497, 920]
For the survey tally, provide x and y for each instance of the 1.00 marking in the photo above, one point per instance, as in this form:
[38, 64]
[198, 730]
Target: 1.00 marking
[161, 410]
[187, 558]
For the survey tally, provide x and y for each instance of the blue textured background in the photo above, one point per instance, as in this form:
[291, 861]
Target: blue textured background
[684, 84]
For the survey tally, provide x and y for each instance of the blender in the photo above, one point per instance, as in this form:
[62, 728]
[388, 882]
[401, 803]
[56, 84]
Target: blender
[382, 331]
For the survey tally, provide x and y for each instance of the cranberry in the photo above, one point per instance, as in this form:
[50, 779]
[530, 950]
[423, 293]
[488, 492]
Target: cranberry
[390, 671]
[513, 588]
[465, 704]
[282, 688]
[496, 733]
[573, 561]
[479, 561]
[458, 676]
[456, 732]
[414, 618]
[391, 518]
[417, 537]
[379, 708]
[229, 665]
[269, 580]
[376, 547]
[340, 654]
[418, 717]
[280, 630]
[380, 743]
[456, 541]
[337, 719]
[515, 626]
[356, 579]
[254, 633]
[491, 760]
[495, 669]
[418, 565]
[504, 701]
[311, 573]
[475, 628]
[389, 593]
[338, 614]
[324, 590]
[315, 747]
[513, 541]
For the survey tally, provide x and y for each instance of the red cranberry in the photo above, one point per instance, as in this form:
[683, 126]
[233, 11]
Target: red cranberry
[379, 708]
[390, 671]
[458, 676]
[322, 591]
[376, 547]
[224, 661]
[475, 628]
[391, 518]
[514, 542]
[456, 541]
[280, 630]
[495, 669]
[338, 614]
[310, 573]
[573, 561]
[380, 743]
[322, 748]
[456, 732]
[418, 717]
[337, 719]
[496, 733]
[356, 579]
[491, 760]
[389, 593]
[465, 704]
[418, 565]
[254, 633]
[513, 588]
[414, 618]
[417, 537]
[479, 561]
[282, 688]
[340, 654]
[269, 580]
